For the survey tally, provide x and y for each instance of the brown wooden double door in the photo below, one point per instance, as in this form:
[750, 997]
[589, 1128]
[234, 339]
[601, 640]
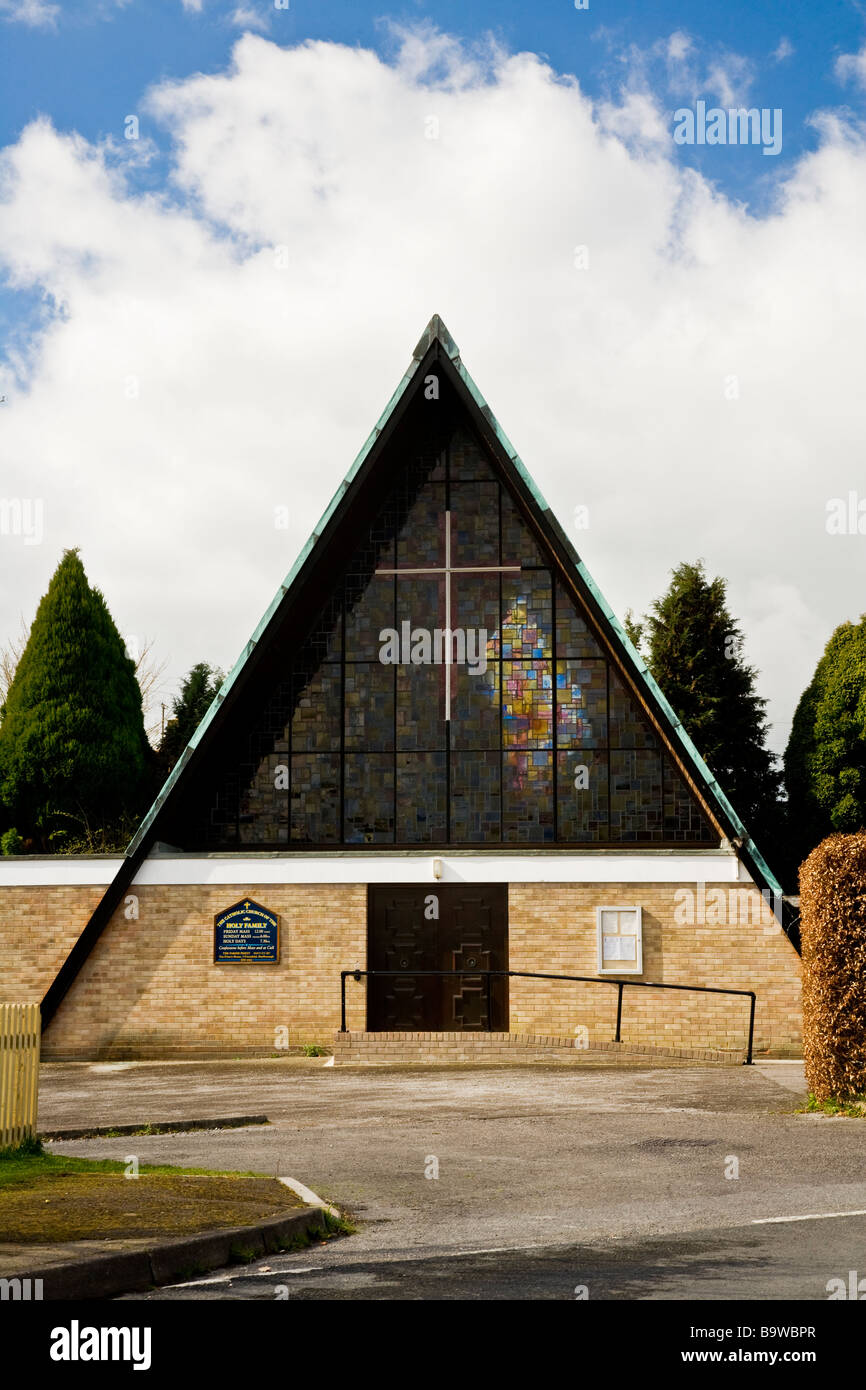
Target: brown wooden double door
[451, 927]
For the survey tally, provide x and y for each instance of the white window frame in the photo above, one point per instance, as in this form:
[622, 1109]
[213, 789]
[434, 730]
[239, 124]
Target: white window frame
[621, 967]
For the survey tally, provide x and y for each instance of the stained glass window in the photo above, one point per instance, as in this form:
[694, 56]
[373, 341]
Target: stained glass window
[451, 690]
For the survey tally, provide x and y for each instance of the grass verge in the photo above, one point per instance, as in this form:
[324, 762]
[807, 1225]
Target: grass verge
[852, 1107]
[52, 1197]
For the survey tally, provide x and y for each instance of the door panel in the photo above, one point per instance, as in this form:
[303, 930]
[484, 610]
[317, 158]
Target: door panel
[435, 927]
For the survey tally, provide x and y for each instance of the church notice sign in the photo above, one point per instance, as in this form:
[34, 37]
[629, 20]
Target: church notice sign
[246, 934]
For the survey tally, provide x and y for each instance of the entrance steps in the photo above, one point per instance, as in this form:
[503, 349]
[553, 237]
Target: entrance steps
[498, 1049]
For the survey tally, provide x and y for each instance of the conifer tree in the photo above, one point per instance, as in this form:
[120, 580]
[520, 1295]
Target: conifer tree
[694, 651]
[825, 761]
[73, 752]
[188, 709]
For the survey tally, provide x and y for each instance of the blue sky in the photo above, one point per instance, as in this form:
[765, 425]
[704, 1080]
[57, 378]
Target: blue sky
[201, 327]
[89, 68]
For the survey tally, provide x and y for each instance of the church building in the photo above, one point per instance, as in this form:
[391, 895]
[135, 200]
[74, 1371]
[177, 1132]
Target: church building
[438, 753]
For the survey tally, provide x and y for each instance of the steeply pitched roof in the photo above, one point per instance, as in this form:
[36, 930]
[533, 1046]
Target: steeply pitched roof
[434, 345]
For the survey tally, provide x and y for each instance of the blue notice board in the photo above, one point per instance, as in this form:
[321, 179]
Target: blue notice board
[246, 934]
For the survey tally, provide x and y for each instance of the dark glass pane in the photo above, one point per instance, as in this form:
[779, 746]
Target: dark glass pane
[264, 808]
[369, 805]
[475, 709]
[475, 523]
[527, 704]
[573, 634]
[635, 795]
[581, 703]
[526, 615]
[223, 828]
[421, 604]
[467, 458]
[527, 798]
[317, 713]
[684, 819]
[519, 546]
[475, 609]
[581, 788]
[369, 706]
[421, 536]
[475, 799]
[369, 610]
[421, 798]
[315, 799]
[421, 707]
[629, 726]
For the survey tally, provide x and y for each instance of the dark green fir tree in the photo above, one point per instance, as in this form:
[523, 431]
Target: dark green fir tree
[74, 758]
[825, 761]
[187, 711]
[693, 648]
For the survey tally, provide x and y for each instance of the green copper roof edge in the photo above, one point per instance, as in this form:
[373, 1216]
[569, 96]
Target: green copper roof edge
[435, 329]
[693, 756]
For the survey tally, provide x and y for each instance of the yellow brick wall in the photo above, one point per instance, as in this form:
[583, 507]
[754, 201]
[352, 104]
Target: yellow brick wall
[38, 928]
[554, 930]
[150, 986]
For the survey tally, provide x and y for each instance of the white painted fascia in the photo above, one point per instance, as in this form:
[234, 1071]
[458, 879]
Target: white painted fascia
[606, 866]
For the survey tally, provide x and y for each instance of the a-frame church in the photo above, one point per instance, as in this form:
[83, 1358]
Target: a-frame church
[437, 752]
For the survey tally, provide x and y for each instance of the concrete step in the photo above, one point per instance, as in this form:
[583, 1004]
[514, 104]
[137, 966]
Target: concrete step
[494, 1049]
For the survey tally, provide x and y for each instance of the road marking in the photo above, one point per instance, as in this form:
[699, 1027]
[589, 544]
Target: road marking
[814, 1216]
[306, 1195]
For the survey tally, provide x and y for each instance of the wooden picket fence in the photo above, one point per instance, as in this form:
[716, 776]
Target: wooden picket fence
[20, 1033]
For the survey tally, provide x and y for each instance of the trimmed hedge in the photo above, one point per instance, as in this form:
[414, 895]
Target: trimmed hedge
[833, 935]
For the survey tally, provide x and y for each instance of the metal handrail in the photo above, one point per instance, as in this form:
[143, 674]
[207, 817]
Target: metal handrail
[577, 979]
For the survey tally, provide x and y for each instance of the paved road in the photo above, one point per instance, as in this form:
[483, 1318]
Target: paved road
[548, 1179]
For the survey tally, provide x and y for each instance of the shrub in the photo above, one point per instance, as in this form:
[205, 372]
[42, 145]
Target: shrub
[833, 934]
[11, 842]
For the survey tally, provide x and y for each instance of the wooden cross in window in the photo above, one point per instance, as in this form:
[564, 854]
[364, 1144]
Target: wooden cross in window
[445, 572]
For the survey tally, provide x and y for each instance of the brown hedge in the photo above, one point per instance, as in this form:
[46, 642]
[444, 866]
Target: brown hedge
[833, 935]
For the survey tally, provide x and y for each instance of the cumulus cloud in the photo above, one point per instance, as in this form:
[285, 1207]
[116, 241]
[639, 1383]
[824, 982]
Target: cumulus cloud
[246, 18]
[220, 349]
[784, 49]
[36, 13]
[851, 67]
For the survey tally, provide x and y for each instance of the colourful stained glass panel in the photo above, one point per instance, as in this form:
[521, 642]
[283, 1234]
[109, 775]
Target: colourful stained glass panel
[527, 614]
[527, 704]
[581, 703]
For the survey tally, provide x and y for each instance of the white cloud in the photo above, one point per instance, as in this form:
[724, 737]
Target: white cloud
[851, 67]
[784, 49]
[679, 45]
[257, 384]
[246, 18]
[37, 13]
[730, 78]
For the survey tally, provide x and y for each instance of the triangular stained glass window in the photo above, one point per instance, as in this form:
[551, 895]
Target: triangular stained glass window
[378, 728]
